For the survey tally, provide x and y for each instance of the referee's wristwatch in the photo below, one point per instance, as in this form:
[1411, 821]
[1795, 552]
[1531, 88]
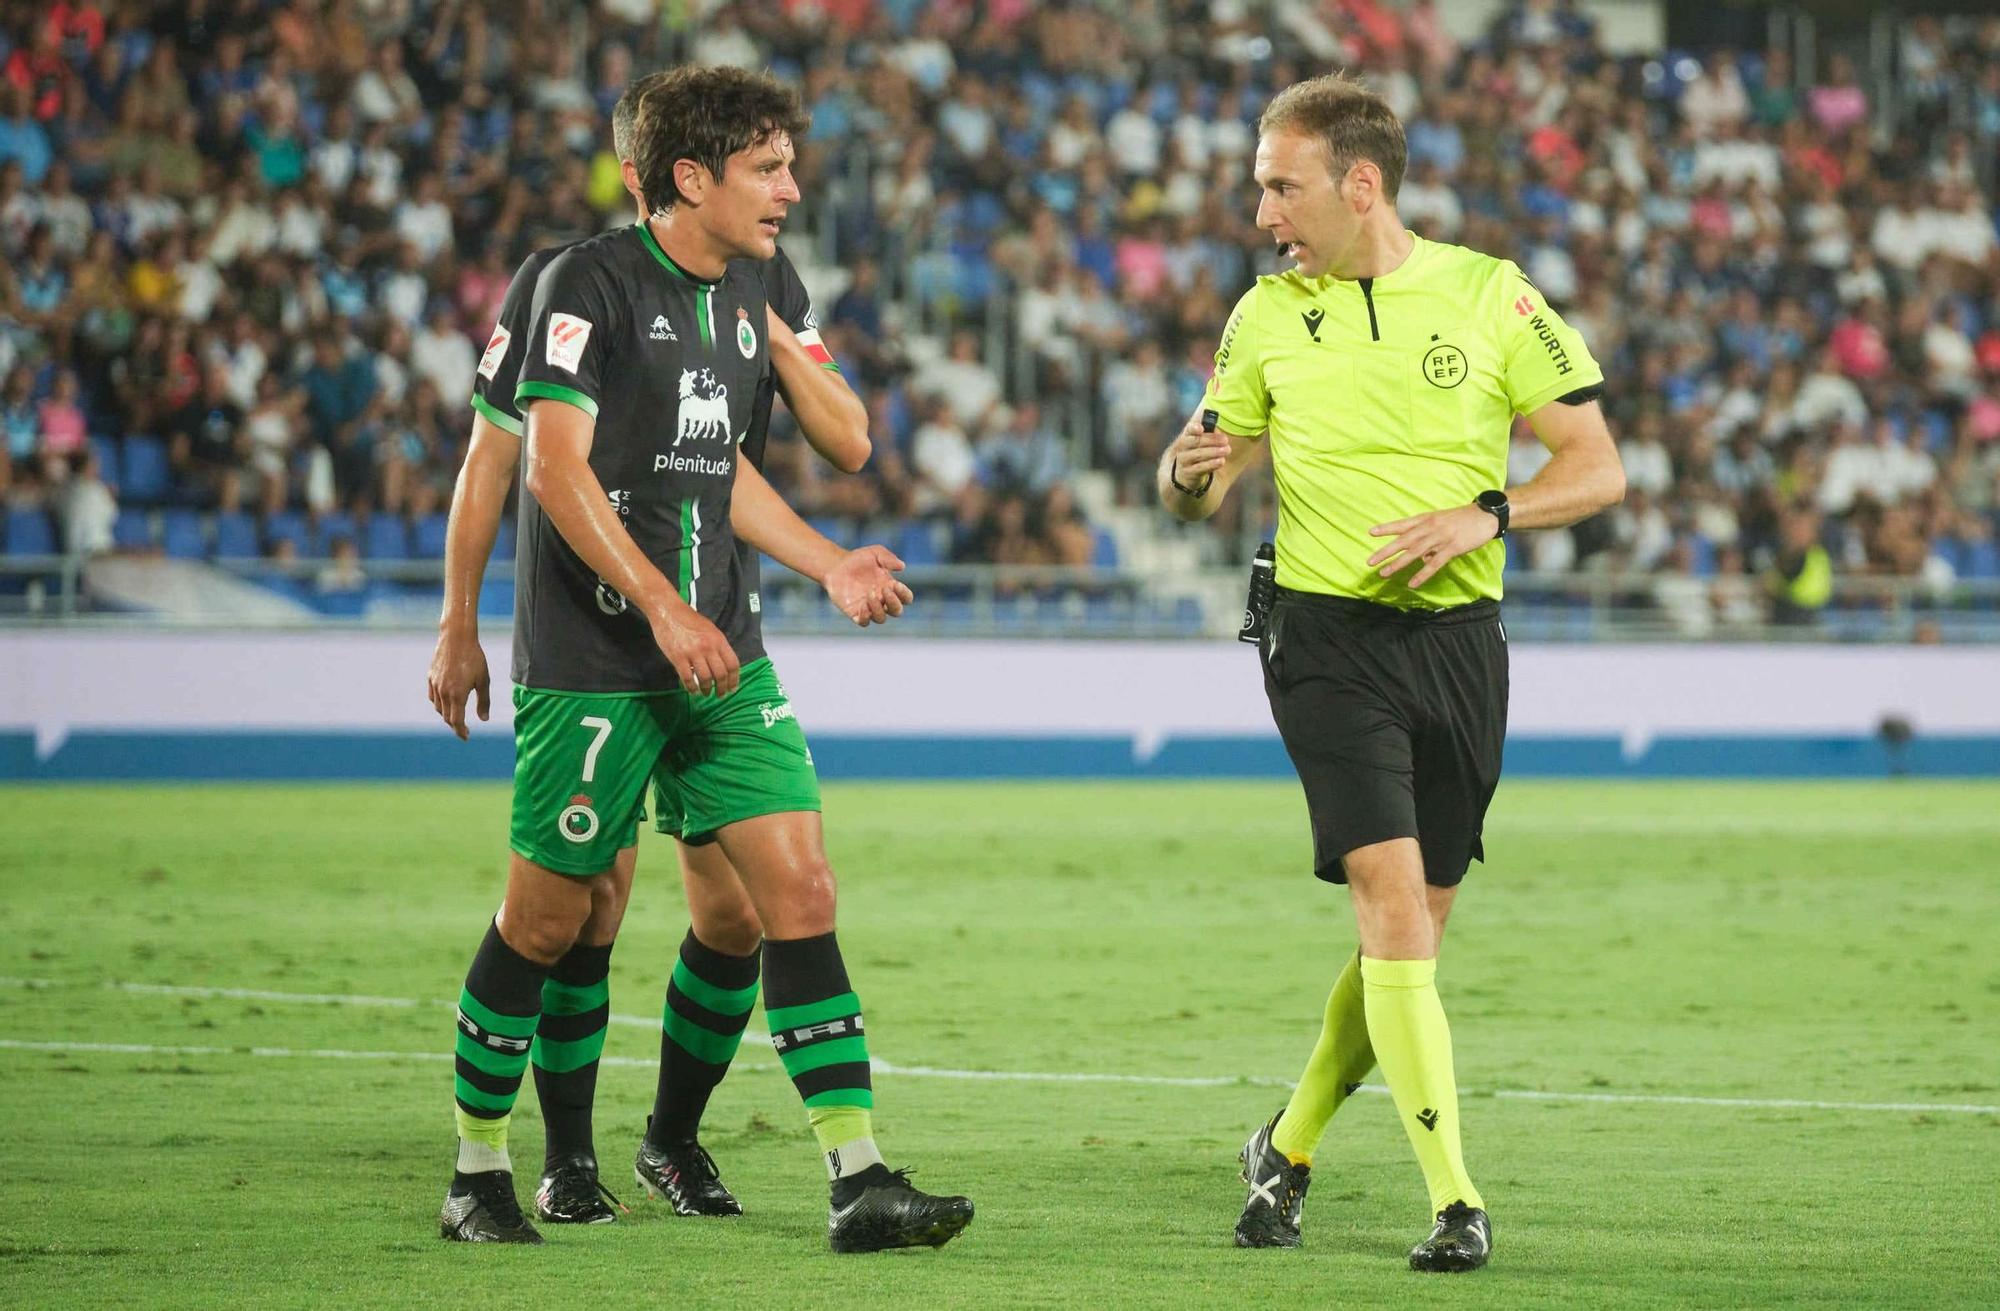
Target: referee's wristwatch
[1494, 502]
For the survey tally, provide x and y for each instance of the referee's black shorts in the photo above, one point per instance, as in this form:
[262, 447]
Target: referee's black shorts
[1394, 720]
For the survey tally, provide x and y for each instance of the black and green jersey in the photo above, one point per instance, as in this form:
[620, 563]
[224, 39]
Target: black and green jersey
[500, 369]
[670, 366]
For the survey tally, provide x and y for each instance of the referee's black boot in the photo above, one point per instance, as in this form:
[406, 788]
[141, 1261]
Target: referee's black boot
[1277, 1193]
[1462, 1240]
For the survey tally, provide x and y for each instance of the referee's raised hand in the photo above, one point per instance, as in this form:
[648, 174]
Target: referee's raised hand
[1435, 539]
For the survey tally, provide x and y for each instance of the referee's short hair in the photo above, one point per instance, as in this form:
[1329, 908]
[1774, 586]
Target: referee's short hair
[626, 112]
[706, 115]
[1351, 122]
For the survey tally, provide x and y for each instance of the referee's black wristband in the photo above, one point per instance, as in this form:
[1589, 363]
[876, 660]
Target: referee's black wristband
[1174, 477]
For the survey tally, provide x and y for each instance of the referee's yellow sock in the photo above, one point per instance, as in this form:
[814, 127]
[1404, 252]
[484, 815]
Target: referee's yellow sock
[1412, 1042]
[1340, 1060]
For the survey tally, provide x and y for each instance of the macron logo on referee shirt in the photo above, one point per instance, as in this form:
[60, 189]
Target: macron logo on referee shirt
[567, 336]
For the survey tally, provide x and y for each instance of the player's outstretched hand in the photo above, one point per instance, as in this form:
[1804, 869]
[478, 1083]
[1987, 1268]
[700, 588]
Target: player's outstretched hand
[458, 670]
[865, 587]
[1435, 539]
[697, 650]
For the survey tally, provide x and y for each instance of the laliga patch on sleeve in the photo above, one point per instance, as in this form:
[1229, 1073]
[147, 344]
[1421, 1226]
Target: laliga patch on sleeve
[567, 335]
[496, 351]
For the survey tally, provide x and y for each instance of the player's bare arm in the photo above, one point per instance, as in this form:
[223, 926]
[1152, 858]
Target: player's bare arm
[832, 417]
[862, 582]
[1582, 477]
[1199, 467]
[559, 477]
[458, 665]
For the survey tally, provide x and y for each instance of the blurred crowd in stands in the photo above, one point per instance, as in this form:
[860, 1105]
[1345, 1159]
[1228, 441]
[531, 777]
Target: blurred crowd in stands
[253, 248]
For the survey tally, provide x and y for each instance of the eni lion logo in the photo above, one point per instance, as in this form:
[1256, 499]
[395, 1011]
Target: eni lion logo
[704, 407]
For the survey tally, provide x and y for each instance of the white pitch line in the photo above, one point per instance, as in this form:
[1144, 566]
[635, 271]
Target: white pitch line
[310, 999]
[911, 1071]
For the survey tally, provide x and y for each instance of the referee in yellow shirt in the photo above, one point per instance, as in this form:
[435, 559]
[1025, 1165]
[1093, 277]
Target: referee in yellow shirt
[1384, 372]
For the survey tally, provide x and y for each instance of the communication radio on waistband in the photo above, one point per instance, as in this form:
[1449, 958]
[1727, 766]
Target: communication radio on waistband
[1263, 594]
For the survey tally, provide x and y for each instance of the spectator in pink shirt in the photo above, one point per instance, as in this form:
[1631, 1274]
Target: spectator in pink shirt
[1839, 103]
[62, 426]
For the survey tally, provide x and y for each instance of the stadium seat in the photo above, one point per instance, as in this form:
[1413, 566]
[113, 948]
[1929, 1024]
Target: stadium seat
[182, 536]
[496, 598]
[133, 531]
[286, 526]
[144, 476]
[108, 465]
[1983, 560]
[387, 538]
[503, 541]
[917, 544]
[1103, 549]
[29, 532]
[332, 527]
[235, 536]
[428, 539]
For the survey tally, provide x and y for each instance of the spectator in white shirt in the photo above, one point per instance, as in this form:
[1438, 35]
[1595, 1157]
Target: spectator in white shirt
[424, 220]
[1648, 466]
[961, 380]
[1133, 139]
[942, 458]
[444, 355]
[1715, 98]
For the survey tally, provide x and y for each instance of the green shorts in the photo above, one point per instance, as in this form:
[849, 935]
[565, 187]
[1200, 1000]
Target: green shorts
[582, 761]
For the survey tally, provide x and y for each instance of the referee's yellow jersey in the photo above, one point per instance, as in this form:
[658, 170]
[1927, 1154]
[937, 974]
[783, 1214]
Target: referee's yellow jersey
[1386, 397]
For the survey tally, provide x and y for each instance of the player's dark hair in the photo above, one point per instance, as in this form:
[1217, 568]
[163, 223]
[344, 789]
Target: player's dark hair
[706, 115]
[626, 112]
[1351, 122]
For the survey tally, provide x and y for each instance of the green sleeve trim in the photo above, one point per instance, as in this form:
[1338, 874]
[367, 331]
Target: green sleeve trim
[494, 415]
[862, 1097]
[841, 1051]
[723, 1001]
[568, 999]
[555, 391]
[507, 1026]
[813, 1012]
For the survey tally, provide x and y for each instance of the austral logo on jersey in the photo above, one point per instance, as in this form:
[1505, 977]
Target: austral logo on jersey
[1444, 366]
[1313, 317]
[662, 330]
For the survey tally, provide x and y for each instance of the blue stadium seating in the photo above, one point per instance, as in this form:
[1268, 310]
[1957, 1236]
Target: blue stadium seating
[181, 535]
[1983, 560]
[429, 537]
[29, 532]
[332, 526]
[286, 526]
[235, 536]
[108, 466]
[1103, 549]
[387, 538]
[918, 544]
[144, 476]
[133, 531]
[503, 542]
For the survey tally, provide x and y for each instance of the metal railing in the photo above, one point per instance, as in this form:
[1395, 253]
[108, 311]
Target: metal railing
[1000, 601]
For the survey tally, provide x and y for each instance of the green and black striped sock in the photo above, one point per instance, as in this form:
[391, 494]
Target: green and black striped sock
[709, 1000]
[497, 1010]
[816, 1029]
[576, 1007]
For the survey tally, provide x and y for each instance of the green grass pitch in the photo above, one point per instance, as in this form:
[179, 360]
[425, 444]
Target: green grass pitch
[1761, 942]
